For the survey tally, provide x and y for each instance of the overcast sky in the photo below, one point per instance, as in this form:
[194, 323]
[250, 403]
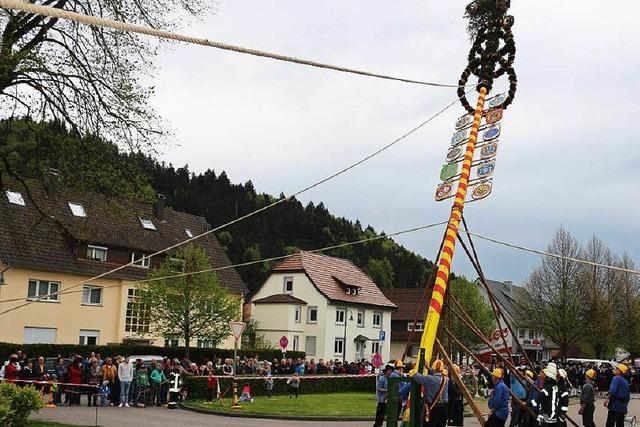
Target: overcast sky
[568, 151]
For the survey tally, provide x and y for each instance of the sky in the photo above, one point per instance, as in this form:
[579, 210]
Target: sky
[568, 146]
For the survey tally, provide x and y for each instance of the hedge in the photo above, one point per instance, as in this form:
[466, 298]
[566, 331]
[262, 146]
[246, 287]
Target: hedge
[197, 386]
[196, 354]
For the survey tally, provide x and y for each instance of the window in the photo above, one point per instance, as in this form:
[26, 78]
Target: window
[521, 333]
[188, 233]
[140, 260]
[97, 253]
[530, 334]
[413, 351]
[338, 346]
[360, 318]
[42, 290]
[419, 326]
[136, 317]
[147, 224]
[34, 335]
[298, 313]
[340, 313]
[312, 315]
[296, 340]
[377, 319]
[310, 346]
[77, 209]
[352, 290]
[15, 198]
[88, 337]
[375, 347]
[170, 342]
[91, 295]
[288, 285]
[204, 344]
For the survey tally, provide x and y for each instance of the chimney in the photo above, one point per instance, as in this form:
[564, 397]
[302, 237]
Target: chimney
[159, 208]
[50, 180]
[509, 284]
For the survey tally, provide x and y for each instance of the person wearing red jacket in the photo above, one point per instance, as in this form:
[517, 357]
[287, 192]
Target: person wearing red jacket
[75, 377]
[12, 369]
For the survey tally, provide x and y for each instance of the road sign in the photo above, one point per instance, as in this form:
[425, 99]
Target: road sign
[376, 360]
[284, 342]
[237, 328]
[382, 335]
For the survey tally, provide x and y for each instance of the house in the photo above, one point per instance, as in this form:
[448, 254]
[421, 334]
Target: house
[402, 320]
[325, 306]
[534, 344]
[58, 238]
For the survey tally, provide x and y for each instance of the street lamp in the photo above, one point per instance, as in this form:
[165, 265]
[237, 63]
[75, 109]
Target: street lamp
[344, 344]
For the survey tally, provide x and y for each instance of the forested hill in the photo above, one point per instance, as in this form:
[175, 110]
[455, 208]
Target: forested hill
[97, 165]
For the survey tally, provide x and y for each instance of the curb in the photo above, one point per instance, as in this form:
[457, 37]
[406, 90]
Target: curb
[270, 417]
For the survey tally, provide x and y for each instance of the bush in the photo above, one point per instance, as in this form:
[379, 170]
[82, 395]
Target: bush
[197, 386]
[17, 403]
[197, 354]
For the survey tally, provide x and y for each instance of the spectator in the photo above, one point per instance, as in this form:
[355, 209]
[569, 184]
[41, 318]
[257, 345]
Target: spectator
[213, 387]
[110, 374]
[157, 378]
[294, 385]
[268, 384]
[125, 375]
[142, 387]
[104, 393]
[94, 379]
[76, 371]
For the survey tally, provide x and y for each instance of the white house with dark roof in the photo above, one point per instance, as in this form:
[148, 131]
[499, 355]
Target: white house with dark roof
[325, 306]
[57, 240]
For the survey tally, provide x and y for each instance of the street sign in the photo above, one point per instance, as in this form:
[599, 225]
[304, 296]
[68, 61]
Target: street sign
[376, 360]
[284, 342]
[382, 335]
[237, 328]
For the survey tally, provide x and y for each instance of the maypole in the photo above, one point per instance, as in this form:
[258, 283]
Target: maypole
[491, 56]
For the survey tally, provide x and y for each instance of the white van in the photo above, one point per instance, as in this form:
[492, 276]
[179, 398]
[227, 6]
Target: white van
[600, 363]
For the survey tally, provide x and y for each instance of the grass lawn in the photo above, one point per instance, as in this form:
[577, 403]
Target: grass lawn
[318, 405]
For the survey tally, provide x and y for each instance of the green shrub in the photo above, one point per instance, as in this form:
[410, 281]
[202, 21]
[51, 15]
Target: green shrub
[197, 354]
[197, 386]
[17, 403]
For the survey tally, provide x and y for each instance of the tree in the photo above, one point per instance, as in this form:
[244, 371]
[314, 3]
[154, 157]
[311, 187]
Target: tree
[627, 308]
[87, 76]
[554, 303]
[381, 272]
[189, 307]
[254, 340]
[600, 285]
[476, 307]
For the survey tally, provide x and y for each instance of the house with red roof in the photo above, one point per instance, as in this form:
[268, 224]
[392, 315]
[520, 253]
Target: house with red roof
[324, 306]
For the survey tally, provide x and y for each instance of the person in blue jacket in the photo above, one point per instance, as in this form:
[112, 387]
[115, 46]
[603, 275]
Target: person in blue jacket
[618, 398]
[498, 401]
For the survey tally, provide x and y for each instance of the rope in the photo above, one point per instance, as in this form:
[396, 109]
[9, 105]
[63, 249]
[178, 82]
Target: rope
[248, 263]
[123, 26]
[552, 255]
[249, 215]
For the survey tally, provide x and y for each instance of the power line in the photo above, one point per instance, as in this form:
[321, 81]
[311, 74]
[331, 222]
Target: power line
[123, 26]
[552, 255]
[248, 263]
[250, 214]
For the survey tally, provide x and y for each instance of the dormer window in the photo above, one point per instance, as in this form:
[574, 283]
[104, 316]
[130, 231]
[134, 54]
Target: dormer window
[140, 260]
[352, 290]
[147, 224]
[77, 209]
[15, 198]
[188, 233]
[96, 253]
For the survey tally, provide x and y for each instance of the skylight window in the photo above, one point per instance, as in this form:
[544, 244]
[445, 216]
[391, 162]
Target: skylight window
[77, 209]
[188, 232]
[15, 198]
[147, 224]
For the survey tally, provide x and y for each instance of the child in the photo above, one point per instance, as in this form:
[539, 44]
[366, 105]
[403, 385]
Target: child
[142, 387]
[212, 386]
[55, 389]
[268, 384]
[104, 392]
[246, 394]
[294, 385]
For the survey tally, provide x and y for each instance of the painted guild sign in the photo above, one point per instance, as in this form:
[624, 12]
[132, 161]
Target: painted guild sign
[492, 132]
[488, 151]
[464, 121]
[481, 190]
[455, 153]
[458, 137]
[493, 116]
[448, 171]
[497, 100]
[485, 170]
[444, 191]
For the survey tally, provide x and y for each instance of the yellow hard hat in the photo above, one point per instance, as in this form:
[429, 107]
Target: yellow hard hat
[437, 365]
[498, 373]
[529, 373]
[456, 368]
[623, 368]
[590, 373]
[399, 364]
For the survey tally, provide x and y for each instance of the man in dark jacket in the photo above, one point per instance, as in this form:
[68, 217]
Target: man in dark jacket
[587, 399]
[618, 398]
[552, 403]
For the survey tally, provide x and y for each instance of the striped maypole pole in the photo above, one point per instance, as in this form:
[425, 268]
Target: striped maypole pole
[449, 246]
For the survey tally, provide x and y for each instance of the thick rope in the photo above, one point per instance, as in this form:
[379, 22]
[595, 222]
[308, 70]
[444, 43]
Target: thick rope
[123, 26]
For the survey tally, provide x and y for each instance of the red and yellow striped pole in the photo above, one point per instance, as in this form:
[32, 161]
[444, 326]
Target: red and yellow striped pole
[449, 245]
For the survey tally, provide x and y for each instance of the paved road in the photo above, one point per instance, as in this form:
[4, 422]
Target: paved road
[147, 417]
